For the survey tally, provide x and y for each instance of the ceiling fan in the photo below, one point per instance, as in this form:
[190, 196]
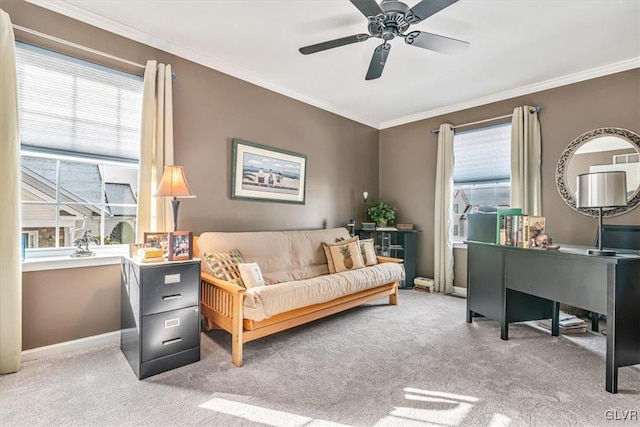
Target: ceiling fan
[391, 19]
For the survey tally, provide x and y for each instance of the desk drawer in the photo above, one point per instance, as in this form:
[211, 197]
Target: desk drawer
[170, 332]
[170, 287]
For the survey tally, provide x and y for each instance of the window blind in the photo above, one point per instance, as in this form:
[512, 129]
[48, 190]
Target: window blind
[482, 155]
[71, 106]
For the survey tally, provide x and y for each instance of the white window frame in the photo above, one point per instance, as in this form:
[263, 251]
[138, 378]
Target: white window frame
[458, 240]
[36, 259]
[65, 250]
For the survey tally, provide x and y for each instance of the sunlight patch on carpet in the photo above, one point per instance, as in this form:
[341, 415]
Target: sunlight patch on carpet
[499, 420]
[430, 408]
[263, 415]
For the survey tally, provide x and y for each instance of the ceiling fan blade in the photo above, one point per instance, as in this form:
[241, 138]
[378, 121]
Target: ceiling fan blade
[319, 47]
[425, 9]
[368, 7]
[436, 43]
[377, 61]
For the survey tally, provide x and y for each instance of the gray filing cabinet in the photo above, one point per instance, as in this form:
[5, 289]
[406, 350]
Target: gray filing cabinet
[160, 315]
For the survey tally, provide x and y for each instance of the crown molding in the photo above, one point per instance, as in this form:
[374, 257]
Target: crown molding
[97, 20]
[592, 73]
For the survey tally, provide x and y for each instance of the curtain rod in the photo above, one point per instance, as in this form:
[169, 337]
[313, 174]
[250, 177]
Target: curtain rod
[81, 47]
[536, 109]
[78, 46]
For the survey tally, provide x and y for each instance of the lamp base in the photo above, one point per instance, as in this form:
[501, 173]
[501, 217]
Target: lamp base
[601, 252]
[175, 205]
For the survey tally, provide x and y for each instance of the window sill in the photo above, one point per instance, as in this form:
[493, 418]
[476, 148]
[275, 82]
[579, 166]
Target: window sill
[459, 245]
[65, 262]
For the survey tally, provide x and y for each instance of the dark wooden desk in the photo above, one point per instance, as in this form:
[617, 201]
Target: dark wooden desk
[513, 284]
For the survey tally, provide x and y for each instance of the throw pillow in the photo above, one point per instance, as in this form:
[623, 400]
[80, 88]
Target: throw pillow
[345, 255]
[327, 252]
[368, 251]
[251, 275]
[224, 265]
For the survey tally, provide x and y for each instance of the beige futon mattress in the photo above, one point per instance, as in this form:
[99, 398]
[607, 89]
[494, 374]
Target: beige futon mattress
[265, 301]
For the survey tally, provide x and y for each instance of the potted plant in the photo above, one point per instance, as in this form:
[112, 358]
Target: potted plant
[382, 213]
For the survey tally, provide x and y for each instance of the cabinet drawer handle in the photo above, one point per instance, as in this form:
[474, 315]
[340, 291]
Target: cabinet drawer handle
[170, 297]
[173, 341]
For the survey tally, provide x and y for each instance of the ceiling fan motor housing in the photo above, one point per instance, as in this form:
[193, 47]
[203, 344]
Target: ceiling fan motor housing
[388, 25]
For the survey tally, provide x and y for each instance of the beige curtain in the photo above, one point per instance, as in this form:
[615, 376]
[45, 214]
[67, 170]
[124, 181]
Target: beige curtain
[525, 160]
[156, 148]
[10, 263]
[443, 224]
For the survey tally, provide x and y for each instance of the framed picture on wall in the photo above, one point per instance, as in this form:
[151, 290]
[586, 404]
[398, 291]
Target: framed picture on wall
[263, 173]
[181, 245]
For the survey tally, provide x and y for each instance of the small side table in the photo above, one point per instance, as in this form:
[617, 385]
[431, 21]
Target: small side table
[160, 315]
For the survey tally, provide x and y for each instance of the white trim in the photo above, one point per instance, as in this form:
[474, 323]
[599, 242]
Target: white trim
[459, 245]
[136, 34]
[64, 262]
[580, 76]
[69, 346]
[459, 292]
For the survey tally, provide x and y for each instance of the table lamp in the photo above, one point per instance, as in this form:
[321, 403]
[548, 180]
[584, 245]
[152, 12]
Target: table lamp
[174, 184]
[601, 190]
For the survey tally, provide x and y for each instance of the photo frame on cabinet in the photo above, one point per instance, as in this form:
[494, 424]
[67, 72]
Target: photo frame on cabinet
[180, 245]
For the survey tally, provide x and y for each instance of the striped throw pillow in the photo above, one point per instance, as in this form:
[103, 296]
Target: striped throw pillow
[224, 265]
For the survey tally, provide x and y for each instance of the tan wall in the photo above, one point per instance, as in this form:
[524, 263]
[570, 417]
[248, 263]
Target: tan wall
[211, 108]
[460, 267]
[64, 305]
[408, 153]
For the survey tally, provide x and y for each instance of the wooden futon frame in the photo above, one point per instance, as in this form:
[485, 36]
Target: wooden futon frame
[221, 303]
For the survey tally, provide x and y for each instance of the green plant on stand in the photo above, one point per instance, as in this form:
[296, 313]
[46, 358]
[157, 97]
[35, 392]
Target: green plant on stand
[382, 213]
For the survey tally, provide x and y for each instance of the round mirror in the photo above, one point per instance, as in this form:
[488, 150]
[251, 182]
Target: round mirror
[601, 150]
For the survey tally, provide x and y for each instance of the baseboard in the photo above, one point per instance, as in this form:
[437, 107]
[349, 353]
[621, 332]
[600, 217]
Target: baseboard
[459, 292]
[68, 346]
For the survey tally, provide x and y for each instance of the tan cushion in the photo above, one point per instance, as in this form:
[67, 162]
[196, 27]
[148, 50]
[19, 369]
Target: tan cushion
[266, 301]
[345, 255]
[282, 255]
[327, 251]
[224, 265]
[368, 251]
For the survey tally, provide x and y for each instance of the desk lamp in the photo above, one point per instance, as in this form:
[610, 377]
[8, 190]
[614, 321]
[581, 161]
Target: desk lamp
[601, 190]
[174, 184]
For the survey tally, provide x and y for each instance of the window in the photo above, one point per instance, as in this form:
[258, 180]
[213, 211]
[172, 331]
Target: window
[80, 139]
[481, 174]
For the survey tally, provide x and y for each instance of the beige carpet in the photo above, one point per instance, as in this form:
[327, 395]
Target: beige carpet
[415, 364]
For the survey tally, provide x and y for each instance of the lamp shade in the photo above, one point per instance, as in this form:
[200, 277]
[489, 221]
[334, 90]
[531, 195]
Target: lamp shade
[173, 183]
[602, 190]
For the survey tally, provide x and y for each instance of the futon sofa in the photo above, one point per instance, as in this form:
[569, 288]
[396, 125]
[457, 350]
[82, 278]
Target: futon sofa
[299, 287]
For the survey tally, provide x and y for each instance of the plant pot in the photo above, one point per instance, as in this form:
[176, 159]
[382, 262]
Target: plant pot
[381, 222]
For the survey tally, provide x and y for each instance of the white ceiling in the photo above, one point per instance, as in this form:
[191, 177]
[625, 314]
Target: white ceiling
[517, 47]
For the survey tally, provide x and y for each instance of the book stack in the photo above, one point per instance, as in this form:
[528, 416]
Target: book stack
[422, 284]
[569, 324]
[368, 225]
[150, 255]
[516, 229]
[405, 227]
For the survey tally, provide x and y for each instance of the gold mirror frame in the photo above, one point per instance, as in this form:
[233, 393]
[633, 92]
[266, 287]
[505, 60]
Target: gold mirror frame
[561, 170]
